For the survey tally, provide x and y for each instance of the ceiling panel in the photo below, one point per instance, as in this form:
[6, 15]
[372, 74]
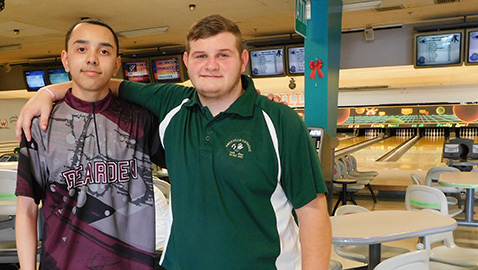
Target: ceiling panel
[43, 24]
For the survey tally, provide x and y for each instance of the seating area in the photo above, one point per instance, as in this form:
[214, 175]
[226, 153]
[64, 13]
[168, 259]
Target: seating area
[349, 180]
[455, 249]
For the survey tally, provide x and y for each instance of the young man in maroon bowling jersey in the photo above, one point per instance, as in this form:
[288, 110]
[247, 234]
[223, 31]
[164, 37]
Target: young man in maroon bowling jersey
[91, 169]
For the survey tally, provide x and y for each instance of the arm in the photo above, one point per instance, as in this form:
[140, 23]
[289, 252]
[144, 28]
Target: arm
[41, 104]
[315, 234]
[26, 232]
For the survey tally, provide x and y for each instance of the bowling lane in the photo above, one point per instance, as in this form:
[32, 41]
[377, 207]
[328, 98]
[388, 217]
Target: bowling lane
[425, 154]
[421, 157]
[348, 142]
[369, 154]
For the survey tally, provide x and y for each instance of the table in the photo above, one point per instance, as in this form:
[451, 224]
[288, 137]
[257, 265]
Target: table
[468, 181]
[376, 227]
[343, 196]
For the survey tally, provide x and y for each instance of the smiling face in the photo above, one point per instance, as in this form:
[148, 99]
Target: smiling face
[92, 60]
[215, 66]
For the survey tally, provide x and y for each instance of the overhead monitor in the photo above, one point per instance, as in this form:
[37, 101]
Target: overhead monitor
[439, 49]
[58, 75]
[34, 79]
[168, 69]
[267, 62]
[137, 70]
[296, 60]
[471, 47]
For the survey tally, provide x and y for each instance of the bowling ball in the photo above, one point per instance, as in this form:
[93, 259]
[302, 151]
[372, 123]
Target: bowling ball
[474, 57]
[394, 120]
[440, 110]
[360, 110]
[466, 113]
[342, 115]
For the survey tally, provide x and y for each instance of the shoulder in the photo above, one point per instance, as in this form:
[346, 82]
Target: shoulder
[126, 108]
[163, 87]
[276, 110]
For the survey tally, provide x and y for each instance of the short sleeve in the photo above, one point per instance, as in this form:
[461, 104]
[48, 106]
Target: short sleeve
[32, 173]
[302, 176]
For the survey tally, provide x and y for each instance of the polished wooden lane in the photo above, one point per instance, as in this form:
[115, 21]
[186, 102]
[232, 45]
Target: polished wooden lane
[343, 142]
[421, 157]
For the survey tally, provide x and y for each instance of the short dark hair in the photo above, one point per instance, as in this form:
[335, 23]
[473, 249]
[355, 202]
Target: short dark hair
[212, 25]
[96, 22]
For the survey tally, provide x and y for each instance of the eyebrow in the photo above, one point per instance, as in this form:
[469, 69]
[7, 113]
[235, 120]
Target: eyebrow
[220, 50]
[103, 44]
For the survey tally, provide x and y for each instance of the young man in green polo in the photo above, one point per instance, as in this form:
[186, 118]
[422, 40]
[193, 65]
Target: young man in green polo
[238, 163]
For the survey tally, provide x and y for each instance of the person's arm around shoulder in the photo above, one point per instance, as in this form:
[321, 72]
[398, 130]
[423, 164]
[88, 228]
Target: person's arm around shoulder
[26, 232]
[40, 104]
[315, 234]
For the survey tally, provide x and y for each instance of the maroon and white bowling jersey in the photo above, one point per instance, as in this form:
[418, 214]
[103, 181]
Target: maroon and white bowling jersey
[92, 172]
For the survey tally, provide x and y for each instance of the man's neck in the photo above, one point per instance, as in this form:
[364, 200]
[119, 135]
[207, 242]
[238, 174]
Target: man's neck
[218, 105]
[90, 96]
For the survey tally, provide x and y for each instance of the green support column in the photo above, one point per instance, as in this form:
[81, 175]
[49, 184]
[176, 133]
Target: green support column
[322, 59]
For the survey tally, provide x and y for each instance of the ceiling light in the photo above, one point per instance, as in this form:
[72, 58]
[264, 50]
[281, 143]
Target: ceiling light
[10, 47]
[144, 32]
[192, 7]
[362, 5]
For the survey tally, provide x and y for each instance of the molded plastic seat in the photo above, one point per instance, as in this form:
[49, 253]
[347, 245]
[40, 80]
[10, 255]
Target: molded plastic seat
[164, 186]
[417, 180]
[354, 168]
[335, 265]
[363, 180]
[417, 260]
[418, 197]
[8, 247]
[432, 176]
[448, 252]
[350, 189]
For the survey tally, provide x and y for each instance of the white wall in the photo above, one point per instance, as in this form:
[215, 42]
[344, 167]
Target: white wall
[9, 109]
[413, 95]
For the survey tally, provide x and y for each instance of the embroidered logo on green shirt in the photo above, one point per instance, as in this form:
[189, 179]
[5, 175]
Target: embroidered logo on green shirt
[237, 148]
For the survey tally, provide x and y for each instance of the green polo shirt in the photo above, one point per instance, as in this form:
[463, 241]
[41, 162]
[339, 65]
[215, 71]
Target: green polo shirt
[235, 178]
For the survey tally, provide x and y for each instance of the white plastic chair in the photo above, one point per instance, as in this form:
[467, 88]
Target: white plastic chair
[164, 186]
[350, 209]
[418, 197]
[335, 265]
[448, 252]
[354, 168]
[360, 252]
[351, 188]
[431, 180]
[8, 247]
[362, 180]
[8, 252]
[417, 180]
[417, 260]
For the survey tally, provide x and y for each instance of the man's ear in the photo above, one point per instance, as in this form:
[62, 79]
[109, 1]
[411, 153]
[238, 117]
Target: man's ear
[185, 58]
[64, 60]
[245, 59]
[118, 65]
